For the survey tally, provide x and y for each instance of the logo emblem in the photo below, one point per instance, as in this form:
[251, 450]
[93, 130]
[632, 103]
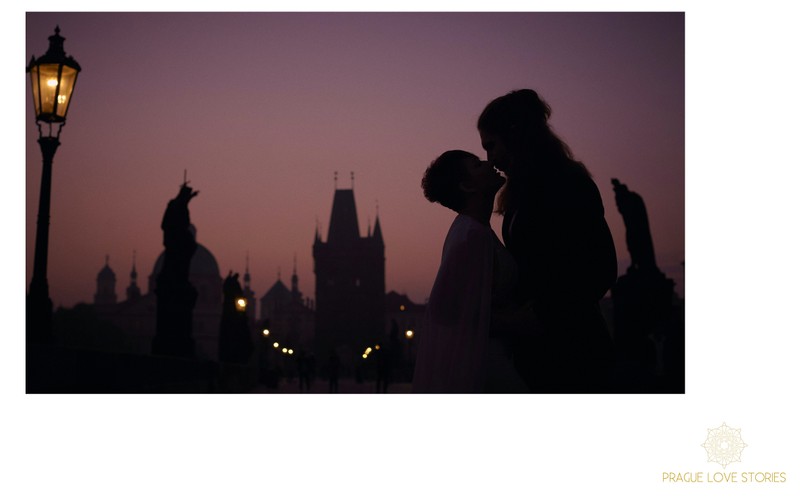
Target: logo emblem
[724, 445]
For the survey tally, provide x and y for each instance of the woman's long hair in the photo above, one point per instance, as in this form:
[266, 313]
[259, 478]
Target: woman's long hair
[520, 119]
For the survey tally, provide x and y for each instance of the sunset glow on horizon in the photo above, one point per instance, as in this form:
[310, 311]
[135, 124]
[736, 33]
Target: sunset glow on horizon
[262, 109]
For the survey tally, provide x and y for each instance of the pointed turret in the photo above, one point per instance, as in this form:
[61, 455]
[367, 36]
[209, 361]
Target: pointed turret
[247, 271]
[377, 235]
[344, 220]
[133, 291]
[295, 288]
[247, 292]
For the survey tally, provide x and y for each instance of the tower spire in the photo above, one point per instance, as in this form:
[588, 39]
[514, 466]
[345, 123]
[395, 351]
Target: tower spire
[247, 270]
[133, 267]
[376, 232]
[295, 288]
[343, 226]
[133, 292]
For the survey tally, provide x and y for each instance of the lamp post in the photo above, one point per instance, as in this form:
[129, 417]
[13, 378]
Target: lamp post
[53, 78]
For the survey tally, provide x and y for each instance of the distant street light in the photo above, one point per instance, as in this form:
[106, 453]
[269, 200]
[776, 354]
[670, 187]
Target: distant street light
[53, 78]
[409, 334]
[241, 304]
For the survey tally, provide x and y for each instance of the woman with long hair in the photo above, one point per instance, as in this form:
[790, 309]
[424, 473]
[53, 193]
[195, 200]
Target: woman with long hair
[554, 227]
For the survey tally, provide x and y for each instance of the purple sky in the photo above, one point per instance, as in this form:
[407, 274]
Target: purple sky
[262, 108]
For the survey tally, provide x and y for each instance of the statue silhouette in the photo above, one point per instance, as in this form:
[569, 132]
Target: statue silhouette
[235, 344]
[637, 227]
[643, 301]
[176, 297]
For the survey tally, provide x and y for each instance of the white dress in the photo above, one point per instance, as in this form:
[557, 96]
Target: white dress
[456, 354]
[501, 375]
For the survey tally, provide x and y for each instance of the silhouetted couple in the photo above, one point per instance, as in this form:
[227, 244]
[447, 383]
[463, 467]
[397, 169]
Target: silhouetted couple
[523, 317]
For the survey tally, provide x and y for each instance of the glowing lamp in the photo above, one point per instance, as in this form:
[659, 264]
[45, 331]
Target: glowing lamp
[241, 304]
[284, 350]
[53, 78]
[265, 332]
[275, 345]
[409, 334]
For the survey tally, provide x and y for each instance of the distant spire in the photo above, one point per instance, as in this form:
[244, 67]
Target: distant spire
[247, 270]
[295, 289]
[134, 275]
[336, 180]
[376, 233]
[133, 292]
[343, 226]
[352, 181]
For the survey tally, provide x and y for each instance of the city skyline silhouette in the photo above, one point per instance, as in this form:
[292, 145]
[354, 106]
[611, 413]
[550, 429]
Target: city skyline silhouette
[262, 109]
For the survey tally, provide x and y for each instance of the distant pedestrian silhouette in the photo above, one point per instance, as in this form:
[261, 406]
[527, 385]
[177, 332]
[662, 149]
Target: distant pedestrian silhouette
[333, 372]
[386, 357]
[554, 226]
[304, 371]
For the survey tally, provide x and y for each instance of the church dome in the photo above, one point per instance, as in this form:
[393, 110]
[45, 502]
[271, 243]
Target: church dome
[203, 264]
[106, 274]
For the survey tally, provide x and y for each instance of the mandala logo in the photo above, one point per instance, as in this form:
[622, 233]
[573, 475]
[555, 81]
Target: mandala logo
[724, 445]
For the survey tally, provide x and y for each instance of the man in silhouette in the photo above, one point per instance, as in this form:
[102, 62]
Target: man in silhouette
[333, 372]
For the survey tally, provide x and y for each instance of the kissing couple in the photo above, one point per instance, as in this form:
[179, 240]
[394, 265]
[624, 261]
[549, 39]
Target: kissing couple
[521, 315]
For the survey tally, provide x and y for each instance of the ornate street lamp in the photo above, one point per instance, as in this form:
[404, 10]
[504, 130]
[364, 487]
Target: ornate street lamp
[53, 78]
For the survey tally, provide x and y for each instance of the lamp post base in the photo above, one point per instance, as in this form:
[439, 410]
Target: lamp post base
[39, 316]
